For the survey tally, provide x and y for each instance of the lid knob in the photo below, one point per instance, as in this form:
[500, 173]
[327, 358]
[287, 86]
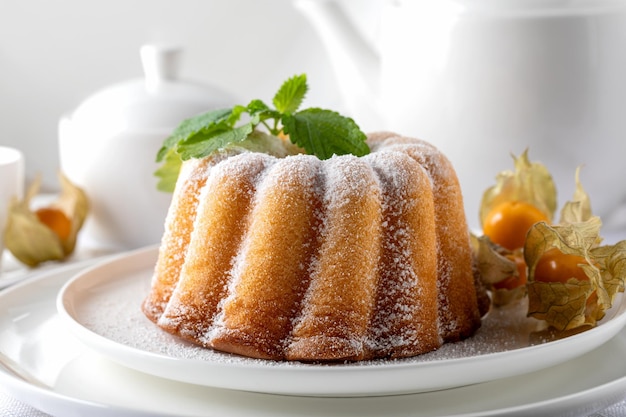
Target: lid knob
[160, 63]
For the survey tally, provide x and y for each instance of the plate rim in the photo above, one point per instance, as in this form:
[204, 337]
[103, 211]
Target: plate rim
[241, 374]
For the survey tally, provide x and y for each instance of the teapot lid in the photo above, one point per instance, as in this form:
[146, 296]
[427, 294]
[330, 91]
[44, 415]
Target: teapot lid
[159, 101]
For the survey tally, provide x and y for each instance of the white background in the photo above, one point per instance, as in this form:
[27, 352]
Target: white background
[55, 53]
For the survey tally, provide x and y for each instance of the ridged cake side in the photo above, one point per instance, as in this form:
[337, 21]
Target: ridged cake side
[300, 259]
[458, 313]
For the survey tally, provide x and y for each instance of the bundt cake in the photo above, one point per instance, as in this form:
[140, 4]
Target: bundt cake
[297, 258]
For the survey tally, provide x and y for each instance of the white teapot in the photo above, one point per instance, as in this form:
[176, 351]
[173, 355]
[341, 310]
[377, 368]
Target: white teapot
[482, 79]
[108, 146]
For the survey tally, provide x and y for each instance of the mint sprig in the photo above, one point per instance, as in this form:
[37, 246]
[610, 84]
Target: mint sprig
[319, 132]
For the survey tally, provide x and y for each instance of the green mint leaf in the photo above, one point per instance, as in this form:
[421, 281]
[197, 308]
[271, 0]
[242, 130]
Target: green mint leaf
[195, 125]
[168, 171]
[257, 106]
[290, 95]
[203, 145]
[235, 115]
[325, 133]
[322, 133]
[261, 110]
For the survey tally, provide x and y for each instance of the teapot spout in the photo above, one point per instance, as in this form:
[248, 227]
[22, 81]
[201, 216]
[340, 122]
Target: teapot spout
[355, 63]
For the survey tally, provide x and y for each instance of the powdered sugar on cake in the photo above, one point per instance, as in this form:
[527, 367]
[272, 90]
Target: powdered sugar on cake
[296, 258]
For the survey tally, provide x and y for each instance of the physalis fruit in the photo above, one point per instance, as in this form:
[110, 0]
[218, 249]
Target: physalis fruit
[518, 199]
[572, 278]
[48, 233]
[569, 278]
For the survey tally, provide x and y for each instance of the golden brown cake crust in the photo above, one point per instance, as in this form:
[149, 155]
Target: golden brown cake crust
[300, 259]
[458, 295]
[178, 228]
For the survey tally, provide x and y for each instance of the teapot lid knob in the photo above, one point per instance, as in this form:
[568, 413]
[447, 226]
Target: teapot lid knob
[160, 63]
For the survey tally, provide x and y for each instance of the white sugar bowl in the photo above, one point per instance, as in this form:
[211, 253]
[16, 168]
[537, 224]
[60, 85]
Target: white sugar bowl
[109, 143]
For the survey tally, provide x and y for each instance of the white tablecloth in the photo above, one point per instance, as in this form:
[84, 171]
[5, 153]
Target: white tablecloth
[10, 407]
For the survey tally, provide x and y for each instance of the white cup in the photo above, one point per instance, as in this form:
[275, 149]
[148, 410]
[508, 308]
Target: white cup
[11, 184]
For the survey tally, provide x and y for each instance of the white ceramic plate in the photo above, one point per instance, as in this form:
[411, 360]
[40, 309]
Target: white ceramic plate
[102, 308]
[86, 383]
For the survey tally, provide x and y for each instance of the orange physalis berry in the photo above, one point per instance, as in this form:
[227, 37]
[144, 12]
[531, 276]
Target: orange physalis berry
[556, 266]
[508, 223]
[55, 220]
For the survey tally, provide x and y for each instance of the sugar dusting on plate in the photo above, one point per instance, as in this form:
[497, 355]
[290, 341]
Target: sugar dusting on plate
[113, 311]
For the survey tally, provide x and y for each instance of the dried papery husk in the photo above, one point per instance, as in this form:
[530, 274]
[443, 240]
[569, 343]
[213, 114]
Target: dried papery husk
[495, 265]
[491, 260]
[610, 260]
[575, 303]
[502, 296]
[74, 203]
[31, 241]
[579, 208]
[529, 182]
[564, 305]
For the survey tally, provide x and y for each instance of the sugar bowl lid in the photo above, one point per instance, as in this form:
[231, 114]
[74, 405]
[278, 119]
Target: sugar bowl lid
[157, 102]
